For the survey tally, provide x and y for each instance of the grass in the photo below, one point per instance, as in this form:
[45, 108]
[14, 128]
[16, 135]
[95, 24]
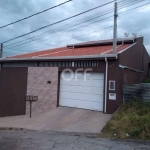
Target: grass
[147, 81]
[131, 121]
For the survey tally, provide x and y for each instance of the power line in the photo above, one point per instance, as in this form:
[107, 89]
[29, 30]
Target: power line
[123, 13]
[82, 35]
[136, 7]
[21, 46]
[57, 44]
[110, 10]
[58, 22]
[32, 40]
[33, 14]
[64, 27]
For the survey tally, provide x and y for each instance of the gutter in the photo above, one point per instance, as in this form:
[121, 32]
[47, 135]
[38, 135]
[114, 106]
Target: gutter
[111, 56]
[106, 80]
[106, 74]
[126, 67]
[102, 42]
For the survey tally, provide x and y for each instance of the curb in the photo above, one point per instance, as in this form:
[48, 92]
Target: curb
[48, 131]
[72, 133]
[14, 129]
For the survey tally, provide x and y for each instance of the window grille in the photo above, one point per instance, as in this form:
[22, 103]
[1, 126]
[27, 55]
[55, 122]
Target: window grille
[111, 85]
[69, 64]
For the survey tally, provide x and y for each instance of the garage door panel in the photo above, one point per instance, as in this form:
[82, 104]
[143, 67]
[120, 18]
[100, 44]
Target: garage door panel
[97, 106]
[97, 98]
[98, 83]
[97, 90]
[75, 89]
[79, 75]
[78, 82]
[83, 94]
[68, 102]
[84, 104]
[78, 96]
[82, 76]
[97, 76]
[75, 103]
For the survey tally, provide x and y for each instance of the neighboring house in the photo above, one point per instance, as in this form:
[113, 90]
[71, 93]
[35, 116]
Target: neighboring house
[39, 73]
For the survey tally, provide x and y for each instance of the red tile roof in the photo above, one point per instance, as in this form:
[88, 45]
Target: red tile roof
[64, 51]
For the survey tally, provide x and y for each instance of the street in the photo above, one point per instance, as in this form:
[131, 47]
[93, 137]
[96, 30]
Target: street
[42, 140]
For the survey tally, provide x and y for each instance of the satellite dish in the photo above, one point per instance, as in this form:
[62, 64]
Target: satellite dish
[126, 34]
[134, 35]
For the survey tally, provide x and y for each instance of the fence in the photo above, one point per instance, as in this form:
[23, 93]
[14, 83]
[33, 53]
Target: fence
[136, 91]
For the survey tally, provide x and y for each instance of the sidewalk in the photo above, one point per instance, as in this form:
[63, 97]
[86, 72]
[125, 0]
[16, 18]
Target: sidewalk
[60, 119]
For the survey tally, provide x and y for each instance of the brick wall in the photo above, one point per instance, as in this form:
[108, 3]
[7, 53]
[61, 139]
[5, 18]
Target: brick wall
[37, 85]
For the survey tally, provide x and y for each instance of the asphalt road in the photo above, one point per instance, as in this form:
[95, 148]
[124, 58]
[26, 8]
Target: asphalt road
[21, 140]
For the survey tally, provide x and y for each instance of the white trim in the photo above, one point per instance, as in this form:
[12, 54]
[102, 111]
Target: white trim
[125, 67]
[60, 57]
[111, 50]
[50, 53]
[106, 74]
[127, 48]
[104, 41]
[112, 96]
[72, 64]
[106, 52]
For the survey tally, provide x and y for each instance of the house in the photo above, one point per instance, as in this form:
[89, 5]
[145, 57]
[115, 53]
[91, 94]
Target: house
[86, 75]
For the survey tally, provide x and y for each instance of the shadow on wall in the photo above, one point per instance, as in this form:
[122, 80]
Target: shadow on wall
[132, 77]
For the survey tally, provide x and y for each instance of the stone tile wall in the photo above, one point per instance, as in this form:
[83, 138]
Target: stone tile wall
[37, 85]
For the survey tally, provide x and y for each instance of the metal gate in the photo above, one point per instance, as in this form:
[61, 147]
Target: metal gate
[13, 86]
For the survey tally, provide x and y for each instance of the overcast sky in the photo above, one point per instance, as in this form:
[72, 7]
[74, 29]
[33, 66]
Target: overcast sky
[76, 30]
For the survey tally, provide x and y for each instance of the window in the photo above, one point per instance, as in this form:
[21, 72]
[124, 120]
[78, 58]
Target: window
[86, 64]
[111, 85]
[70, 64]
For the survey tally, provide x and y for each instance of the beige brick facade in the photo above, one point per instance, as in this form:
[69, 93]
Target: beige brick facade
[37, 85]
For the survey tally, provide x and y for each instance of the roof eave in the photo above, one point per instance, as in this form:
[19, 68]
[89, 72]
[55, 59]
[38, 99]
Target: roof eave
[109, 56]
[101, 43]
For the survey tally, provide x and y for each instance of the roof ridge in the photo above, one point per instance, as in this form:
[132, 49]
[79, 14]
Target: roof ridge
[51, 53]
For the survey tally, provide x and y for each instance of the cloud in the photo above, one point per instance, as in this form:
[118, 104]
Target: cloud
[55, 36]
[136, 22]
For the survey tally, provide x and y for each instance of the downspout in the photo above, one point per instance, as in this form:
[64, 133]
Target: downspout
[106, 74]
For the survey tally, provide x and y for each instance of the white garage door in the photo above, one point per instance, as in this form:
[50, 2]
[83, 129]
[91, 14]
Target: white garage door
[80, 93]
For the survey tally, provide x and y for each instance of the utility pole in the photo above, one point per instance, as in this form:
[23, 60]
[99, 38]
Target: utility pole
[1, 50]
[115, 27]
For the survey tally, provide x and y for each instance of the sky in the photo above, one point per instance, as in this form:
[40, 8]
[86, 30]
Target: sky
[91, 26]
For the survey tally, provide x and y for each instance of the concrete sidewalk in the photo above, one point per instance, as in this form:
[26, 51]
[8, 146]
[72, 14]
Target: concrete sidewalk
[60, 119]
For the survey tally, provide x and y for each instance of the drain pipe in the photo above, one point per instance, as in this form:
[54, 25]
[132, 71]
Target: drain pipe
[106, 74]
